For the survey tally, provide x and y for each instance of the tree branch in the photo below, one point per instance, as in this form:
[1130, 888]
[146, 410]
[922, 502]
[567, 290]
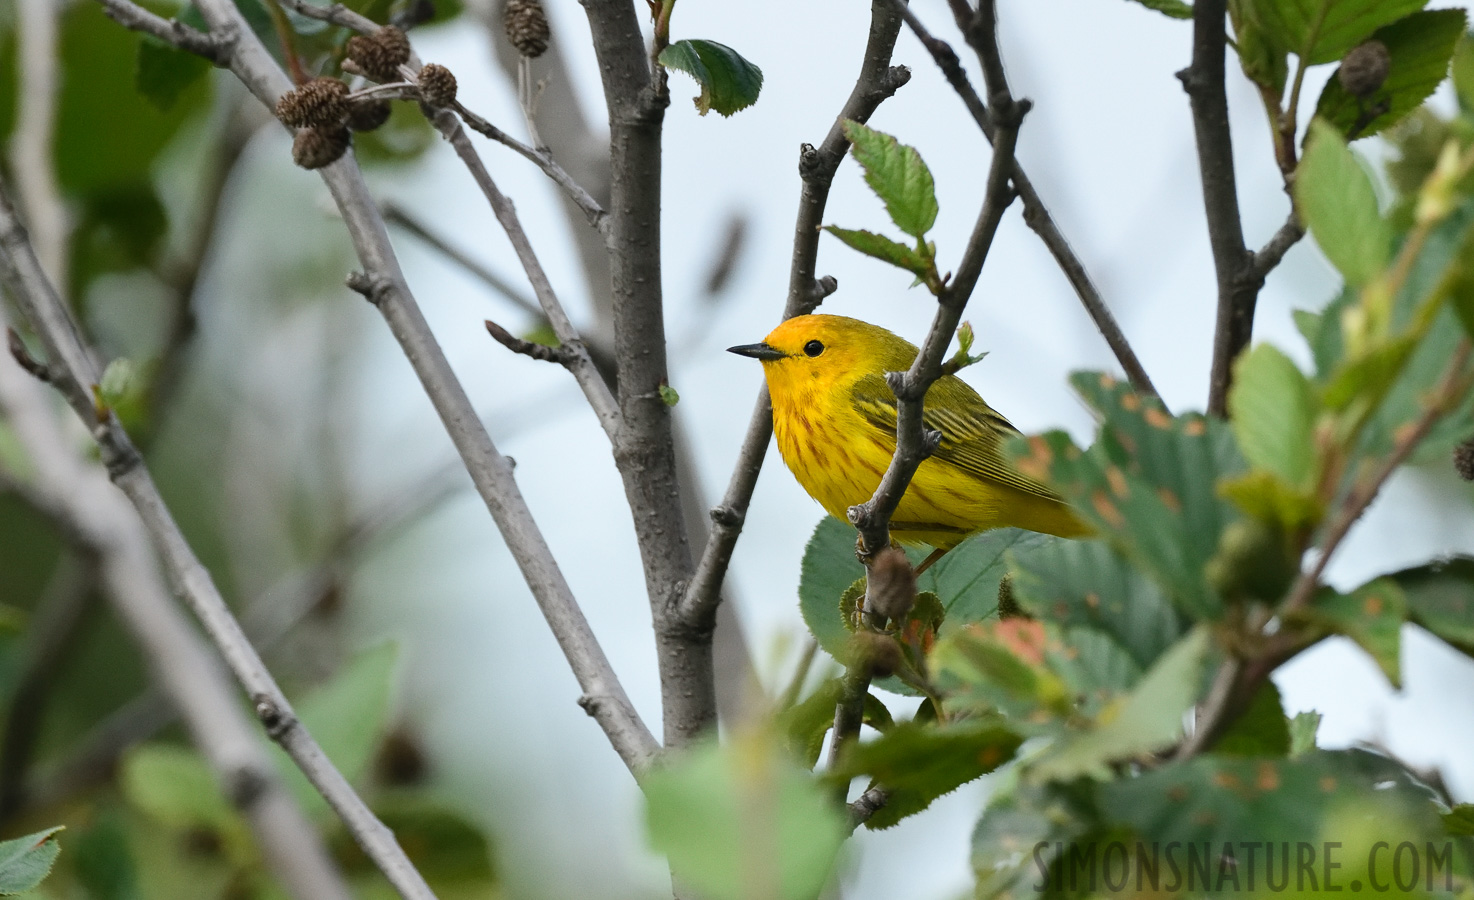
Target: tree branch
[396, 215]
[1036, 214]
[877, 81]
[1271, 253]
[1238, 280]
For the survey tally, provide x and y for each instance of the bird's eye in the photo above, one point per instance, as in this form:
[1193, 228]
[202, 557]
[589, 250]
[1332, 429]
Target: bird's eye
[813, 348]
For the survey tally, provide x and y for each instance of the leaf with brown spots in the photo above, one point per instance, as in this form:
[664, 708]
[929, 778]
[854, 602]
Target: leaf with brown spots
[1372, 616]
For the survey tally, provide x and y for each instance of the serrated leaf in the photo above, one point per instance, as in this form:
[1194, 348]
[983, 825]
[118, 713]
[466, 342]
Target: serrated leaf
[1440, 598]
[805, 724]
[1262, 729]
[1420, 47]
[1321, 31]
[26, 861]
[742, 820]
[884, 249]
[1144, 721]
[1175, 9]
[1272, 409]
[1335, 197]
[1371, 616]
[918, 763]
[1264, 60]
[729, 82]
[1303, 729]
[898, 176]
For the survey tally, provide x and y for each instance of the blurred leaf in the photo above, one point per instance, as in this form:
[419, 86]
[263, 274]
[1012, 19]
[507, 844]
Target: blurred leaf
[1463, 72]
[1336, 200]
[164, 72]
[1263, 60]
[1371, 616]
[805, 724]
[729, 82]
[404, 138]
[1085, 583]
[743, 820]
[1023, 829]
[444, 846]
[1001, 665]
[884, 249]
[1302, 732]
[26, 861]
[174, 786]
[918, 763]
[1460, 819]
[1146, 485]
[1265, 497]
[1262, 730]
[1272, 410]
[1321, 31]
[1097, 669]
[118, 379]
[1440, 598]
[897, 174]
[348, 715]
[1175, 9]
[1144, 721]
[1420, 47]
[104, 861]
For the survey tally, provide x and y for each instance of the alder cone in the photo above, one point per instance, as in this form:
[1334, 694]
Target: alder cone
[1364, 69]
[1464, 460]
[367, 115]
[379, 55]
[314, 148]
[320, 103]
[527, 26]
[437, 85]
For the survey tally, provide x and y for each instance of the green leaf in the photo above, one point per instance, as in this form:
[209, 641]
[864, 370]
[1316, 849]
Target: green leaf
[805, 723]
[117, 381]
[1087, 584]
[1302, 732]
[1174, 9]
[26, 861]
[1264, 61]
[883, 248]
[898, 176]
[1272, 409]
[164, 72]
[918, 763]
[1001, 666]
[1460, 819]
[103, 859]
[1337, 202]
[1024, 827]
[1321, 31]
[1371, 616]
[174, 786]
[1145, 721]
[1440, 598]
[348, 715]
[448, 849]
[966, 579]
[1262, 730]
[728, 82]
[668, 395]
[1463, 72]
[1420, 47]
[743, 820]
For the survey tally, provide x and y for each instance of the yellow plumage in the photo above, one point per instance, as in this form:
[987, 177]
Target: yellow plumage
[835, 420]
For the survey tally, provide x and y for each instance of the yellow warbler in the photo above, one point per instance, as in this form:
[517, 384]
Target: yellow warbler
[835, 420]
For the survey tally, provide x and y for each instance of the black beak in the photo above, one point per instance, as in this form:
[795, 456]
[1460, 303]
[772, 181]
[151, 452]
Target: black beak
[756, 351]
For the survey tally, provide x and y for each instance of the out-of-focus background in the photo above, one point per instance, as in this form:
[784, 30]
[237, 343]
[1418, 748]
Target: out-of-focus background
[295, 431]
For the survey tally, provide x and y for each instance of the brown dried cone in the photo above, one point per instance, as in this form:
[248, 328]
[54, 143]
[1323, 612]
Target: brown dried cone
[366, 115]
[879, 655]
[890, 584]
[1364, 68]
[380, 54]
[1464, 460]
[527, 26]
[314, 148]
[437, 85]
[320, 103]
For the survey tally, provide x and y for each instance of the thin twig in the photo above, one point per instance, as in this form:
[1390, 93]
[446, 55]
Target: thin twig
[865, 806]
[31, 147]
[1238, 280]
[394, 214]
[215, 46]
[1036, 214]
[877, 81]
[517, 345]
[1272, 252]
[334, 14]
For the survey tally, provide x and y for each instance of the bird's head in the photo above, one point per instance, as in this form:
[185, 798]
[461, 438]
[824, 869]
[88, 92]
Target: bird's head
[827, 349]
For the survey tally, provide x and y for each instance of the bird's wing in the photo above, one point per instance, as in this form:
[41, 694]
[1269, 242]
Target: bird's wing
[971, 429]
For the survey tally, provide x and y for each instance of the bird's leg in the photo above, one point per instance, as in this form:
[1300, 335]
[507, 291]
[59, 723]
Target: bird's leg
[926, 563]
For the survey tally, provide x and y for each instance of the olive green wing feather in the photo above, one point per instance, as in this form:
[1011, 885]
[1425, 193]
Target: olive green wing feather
[971, 430]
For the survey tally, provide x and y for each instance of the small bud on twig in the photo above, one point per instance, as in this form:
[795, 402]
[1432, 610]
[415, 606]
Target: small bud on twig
[1364, 68]
[527, 27]
[890, 584]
